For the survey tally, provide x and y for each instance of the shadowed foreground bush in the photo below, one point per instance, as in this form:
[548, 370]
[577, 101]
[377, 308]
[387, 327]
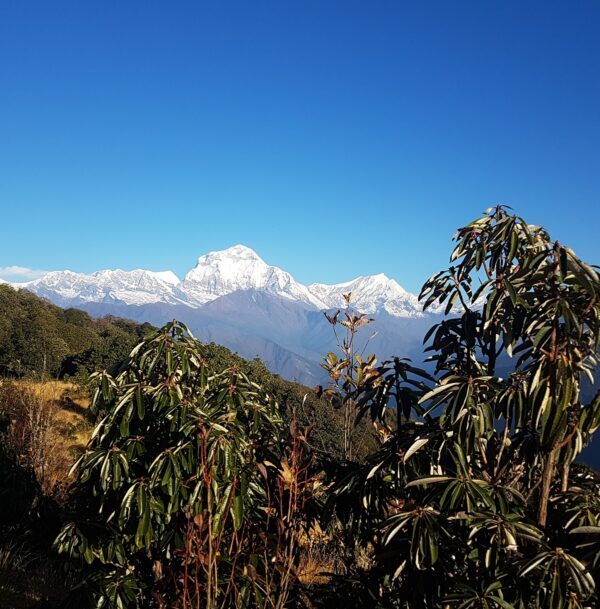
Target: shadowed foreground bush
[192, 489]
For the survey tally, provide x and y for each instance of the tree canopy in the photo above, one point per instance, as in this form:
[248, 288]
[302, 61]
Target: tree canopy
[473, 501]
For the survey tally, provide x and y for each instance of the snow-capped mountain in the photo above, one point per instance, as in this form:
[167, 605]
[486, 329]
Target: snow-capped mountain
[235, 298]
[241, 268]
[217, 274]
[371, 294]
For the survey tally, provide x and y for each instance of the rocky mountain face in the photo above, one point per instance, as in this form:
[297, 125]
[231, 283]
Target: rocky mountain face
[235, 298]
[373, 294]
[67, 288]
[240, 268]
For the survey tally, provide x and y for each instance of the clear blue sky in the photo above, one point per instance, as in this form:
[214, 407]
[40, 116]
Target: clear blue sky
[335, 138]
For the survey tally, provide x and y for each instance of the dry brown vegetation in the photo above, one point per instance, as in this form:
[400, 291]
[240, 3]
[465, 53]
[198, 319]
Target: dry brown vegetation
[48, 427]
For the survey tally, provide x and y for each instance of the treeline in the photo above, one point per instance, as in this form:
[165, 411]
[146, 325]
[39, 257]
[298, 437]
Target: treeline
[39, 338]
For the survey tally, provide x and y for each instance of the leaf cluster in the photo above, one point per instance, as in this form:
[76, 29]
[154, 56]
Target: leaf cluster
[181, 485]
[472, 500]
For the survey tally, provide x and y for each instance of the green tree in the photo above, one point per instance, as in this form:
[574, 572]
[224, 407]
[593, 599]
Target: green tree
[472, 501]
[191, 491]
[38, 338]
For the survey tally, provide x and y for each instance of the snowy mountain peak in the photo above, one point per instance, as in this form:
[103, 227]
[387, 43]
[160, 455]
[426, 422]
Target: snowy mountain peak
[241, 268]
[227, 261]
[234, 254]
[135, 287]
[379, 277]
[239, 251]
[219, 273]
[370, 294]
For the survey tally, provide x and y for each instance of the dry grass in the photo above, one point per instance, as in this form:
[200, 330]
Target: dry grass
[48, 428]
[315, 569]
[319, 558]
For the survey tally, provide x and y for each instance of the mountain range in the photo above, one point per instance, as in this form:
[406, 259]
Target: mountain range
[233, 297]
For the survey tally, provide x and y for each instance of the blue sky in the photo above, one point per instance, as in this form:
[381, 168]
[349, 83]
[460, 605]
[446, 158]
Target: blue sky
[335, 138]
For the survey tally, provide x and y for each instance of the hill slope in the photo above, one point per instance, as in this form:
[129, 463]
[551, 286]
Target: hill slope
[39, 338]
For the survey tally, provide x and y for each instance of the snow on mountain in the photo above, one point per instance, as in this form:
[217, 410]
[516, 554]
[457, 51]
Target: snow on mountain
[236, 299]
[218, 274]
[128, 287]
[370, 294]
[240, 268]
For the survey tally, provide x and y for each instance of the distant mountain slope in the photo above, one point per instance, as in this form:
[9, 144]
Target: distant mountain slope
[231, 321]
[288, 336]
[235, 298]
[218, 274]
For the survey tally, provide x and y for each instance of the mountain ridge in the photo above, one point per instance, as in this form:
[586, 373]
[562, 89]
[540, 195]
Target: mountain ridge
[217, 274]
[233, 297]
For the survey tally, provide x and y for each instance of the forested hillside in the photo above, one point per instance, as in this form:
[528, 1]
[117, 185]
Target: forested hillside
[37, 337]
[41, 340]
